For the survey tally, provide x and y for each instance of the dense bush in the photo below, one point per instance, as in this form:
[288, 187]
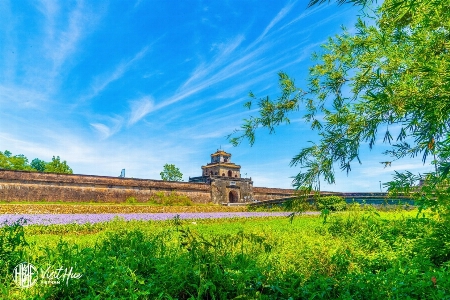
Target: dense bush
[12, 252]
[334, 203]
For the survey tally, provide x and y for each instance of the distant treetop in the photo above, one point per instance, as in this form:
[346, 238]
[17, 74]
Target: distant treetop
[20, 163]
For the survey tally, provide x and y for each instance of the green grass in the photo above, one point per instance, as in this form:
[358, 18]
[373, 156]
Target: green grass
[357, 254]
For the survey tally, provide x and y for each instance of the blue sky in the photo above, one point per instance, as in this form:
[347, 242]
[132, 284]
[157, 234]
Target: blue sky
[137, 84]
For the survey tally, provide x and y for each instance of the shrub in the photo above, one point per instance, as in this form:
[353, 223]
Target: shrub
[131, 199]
[334, 203]
[12, 247]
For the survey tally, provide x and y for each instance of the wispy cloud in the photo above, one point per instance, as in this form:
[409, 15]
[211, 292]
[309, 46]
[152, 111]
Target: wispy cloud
[105, 131]
[22, 97]
[281, 14]
[9, 39]
[221, 68]
[205, 69]
[137, 3]
[66, 43]
[63, 35]
[22, 146]
[140, 108]
[50, 10]
[234, 60]
[306, 13]
[101, 82]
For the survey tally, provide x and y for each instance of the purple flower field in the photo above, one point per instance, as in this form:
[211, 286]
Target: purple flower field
[49, 219]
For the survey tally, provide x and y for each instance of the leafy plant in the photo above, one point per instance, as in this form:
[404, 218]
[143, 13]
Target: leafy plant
[12, 247]
[20, 162]
[58, 166]
[131, 200]
[356, 255]
[16, 162]
[390, 72]
[171, 173]
[333, 203]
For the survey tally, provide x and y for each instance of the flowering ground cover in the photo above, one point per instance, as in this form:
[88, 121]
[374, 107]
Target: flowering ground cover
[353, 255]
[49, 219]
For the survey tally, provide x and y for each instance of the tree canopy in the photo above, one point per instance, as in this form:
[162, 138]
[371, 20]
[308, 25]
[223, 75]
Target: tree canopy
[38, 164]
[14, 162]
[20, 163]
[58, 166]
[171, 173]
[391, 73]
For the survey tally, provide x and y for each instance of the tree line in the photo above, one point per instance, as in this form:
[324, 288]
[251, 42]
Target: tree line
[21, 163]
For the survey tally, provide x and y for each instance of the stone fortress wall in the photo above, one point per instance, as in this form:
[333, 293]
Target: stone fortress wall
[264, 193]
[34, 186]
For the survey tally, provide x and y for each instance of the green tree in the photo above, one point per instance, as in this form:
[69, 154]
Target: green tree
[16, 162]
[392, 72]
[171, 173]
[58, 166]
[38, 164]
[20, 163]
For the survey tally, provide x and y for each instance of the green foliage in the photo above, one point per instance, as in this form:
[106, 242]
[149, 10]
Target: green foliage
[58, 166]
[171, 173]
[356, 255]
[131, 200]
[333, 203]
[172, 199]
[20, 163]
[16, 162]
[392, 73]
[12, 249]
[38, 165]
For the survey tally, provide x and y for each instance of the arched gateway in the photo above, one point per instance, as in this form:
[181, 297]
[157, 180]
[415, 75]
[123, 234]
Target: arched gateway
[233, 197]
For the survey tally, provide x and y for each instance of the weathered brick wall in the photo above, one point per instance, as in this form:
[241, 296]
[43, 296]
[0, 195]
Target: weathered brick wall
[264, 193]
[33, 186]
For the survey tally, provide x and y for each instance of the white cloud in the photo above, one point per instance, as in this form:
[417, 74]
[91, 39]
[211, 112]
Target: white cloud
[105, 131]
[101, 82]
[281, 14]
[63, 35]
[102, 129]
[22, 96]
[140, 109]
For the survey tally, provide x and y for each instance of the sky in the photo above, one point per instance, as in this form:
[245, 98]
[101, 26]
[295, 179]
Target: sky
[138, 84]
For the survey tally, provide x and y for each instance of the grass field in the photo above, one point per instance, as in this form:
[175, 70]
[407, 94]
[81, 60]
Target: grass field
[354, 255]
